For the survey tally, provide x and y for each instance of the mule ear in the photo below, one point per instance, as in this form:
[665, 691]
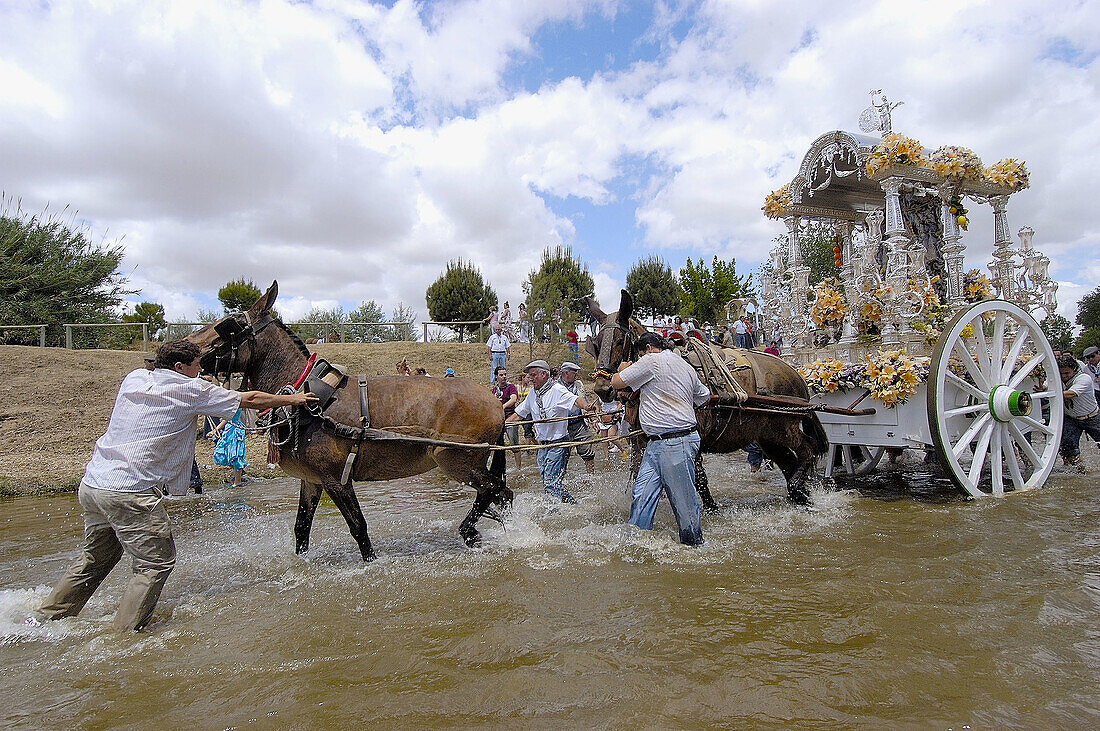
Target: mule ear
[594, 310]
[590, 347]
[265, 302]
[626, 308]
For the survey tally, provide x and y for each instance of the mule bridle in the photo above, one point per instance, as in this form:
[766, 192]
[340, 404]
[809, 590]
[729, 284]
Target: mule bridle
[235, 336]
[607, 343]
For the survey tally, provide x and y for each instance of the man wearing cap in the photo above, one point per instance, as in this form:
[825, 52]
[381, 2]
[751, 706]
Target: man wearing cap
[1082, 414]
[146, 448]
[578, 429]
[670, 391]
[548, 399]
[1092, 363]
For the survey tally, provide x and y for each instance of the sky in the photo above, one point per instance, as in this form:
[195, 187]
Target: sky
[350, 149]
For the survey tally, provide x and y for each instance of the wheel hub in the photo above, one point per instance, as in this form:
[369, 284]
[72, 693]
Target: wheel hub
[1006, 403]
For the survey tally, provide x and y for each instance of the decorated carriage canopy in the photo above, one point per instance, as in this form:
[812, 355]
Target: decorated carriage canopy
[895, 212]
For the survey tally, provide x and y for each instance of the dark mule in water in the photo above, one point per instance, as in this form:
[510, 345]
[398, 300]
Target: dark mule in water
[453, 410]
[791, 441]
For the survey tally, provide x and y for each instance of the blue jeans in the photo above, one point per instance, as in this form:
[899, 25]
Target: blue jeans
[1071, 433]
[669, 464]
[552, 462]
[497, 361]
[756, 455]
[575, 349]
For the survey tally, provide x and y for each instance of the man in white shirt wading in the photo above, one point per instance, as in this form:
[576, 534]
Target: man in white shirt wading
[670, 391]
[578, 429]
[547, 400]
[1082, 414]
[149, 445]
[498, 346]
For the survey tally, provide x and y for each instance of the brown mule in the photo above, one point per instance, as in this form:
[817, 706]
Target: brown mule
[792, 442]
[455, 410]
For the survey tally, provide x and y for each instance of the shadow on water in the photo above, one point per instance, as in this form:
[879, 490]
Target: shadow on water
[909, 479]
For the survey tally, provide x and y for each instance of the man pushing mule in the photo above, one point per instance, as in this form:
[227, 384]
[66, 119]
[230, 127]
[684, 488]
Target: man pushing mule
[149, 446]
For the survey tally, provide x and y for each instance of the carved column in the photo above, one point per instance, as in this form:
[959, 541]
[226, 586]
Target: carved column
[848, 274]
[953, 249]
[1002, 267]
[800, 284]
[897, 263]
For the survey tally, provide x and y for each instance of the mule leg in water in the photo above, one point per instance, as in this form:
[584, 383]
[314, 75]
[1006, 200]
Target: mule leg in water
[702, 485]
[348, 503]
[795, 459]
[308, 498]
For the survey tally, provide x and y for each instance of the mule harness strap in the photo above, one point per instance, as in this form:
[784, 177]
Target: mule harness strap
[607, 335]
[364, 425]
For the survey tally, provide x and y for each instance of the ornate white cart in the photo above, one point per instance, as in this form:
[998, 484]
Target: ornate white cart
[903, 327]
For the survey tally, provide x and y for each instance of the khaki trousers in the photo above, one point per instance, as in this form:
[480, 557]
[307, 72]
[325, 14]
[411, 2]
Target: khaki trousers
[134, 522]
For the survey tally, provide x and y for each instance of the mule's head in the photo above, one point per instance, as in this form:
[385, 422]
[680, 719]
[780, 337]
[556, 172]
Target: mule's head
[613, 342]
[226, 345]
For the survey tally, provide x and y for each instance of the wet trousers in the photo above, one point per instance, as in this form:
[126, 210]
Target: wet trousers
[669, 465]
[552, 461]
[1071, 433]
[115, 522]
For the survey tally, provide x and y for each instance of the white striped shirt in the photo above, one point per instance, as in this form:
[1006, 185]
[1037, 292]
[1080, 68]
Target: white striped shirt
[150, 441]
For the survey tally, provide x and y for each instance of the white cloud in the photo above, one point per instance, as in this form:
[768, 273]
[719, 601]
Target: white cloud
[350, 149]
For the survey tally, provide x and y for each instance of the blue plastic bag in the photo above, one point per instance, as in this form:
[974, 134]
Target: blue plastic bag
[229, 451]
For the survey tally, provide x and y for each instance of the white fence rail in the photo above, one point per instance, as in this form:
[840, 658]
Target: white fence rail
[40, 328]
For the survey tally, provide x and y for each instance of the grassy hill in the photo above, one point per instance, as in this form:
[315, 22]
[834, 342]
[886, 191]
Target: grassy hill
[54, 403]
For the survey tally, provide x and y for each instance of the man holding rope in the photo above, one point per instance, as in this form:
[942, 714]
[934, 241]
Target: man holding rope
[670, 391]
[550, 400]
[149, 445]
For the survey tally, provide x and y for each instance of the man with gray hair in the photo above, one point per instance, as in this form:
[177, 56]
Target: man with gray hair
[550, 400]
[1082, 414]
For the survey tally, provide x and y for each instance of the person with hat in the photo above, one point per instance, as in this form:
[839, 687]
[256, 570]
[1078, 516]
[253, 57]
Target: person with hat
[1092, 363]
[1082, 414]
[669, 392]
[578, 428]
[145, 449]
[549, 399]
[449, 373]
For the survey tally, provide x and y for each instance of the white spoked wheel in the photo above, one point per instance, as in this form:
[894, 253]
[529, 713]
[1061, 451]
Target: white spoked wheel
[853, 459]
[995, 400]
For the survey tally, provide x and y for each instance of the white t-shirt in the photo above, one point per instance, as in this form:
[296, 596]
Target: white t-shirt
[670, 389]
[739, 327]
[150, 440]
[1084, 403]
[498, 343]
[556, 402]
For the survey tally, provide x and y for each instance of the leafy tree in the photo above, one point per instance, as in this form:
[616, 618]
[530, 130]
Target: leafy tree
[1088, 337]
[402, 313]
[238, 295]
[459, 293]
[207, 316]
[817, 241]
[1059, 331]
[51, 274]
[149, 312]
[655, 288]
[706, 290]
[1088, 310]
[368, 311]
[560, 281]
[321, 322]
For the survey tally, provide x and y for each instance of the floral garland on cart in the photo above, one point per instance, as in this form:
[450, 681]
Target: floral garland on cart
[891, 377]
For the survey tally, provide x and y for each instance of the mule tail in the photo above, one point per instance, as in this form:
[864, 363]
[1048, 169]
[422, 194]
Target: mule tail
[811, 425]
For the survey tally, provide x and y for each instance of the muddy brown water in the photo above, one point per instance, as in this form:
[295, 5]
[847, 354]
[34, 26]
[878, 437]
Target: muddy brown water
[895, 602]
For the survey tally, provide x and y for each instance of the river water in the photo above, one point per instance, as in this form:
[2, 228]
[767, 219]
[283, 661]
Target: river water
[894, 602]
